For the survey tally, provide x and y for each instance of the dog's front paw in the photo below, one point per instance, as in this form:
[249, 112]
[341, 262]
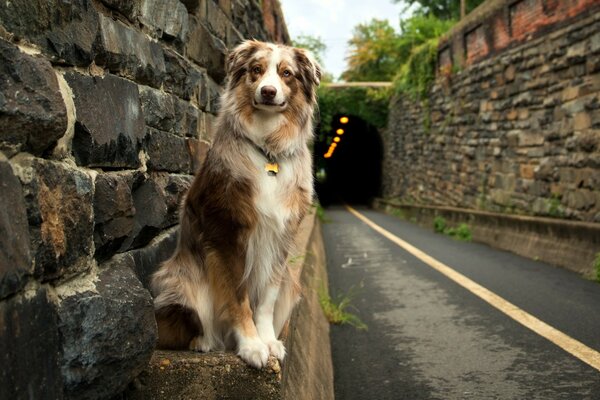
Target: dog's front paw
[277, 349]
[254, 352]
[200, 343]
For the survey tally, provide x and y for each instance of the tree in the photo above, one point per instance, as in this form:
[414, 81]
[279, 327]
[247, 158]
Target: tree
[443, 9]
[377, 51]
[373, 52]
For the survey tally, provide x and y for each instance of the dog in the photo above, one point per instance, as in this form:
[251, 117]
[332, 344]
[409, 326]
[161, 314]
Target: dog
[227, 285]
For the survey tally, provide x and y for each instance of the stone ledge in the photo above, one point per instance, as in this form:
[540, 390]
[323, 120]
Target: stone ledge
[568, 244]
[307, 372]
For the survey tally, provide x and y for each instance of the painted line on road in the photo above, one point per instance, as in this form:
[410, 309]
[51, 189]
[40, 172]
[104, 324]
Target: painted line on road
[565, 342]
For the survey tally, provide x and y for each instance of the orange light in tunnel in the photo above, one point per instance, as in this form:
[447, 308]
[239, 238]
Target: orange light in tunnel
[340, 131]
[336, 139]
[344, 120]
[334, 145]
[328, 155]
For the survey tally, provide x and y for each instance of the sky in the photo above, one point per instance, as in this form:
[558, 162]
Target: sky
[334, 20]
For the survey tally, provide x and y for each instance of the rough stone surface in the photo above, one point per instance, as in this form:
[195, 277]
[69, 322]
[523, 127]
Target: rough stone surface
[15, 257]
[32, 112]
[515, 133]
[104, 115]
[29, 348]
[114, 212]
[66, 31]
[167, 152]
[108, 334]
[166, 18]
[59, 210]
[130, 53]
[207, 49]
[107, 136]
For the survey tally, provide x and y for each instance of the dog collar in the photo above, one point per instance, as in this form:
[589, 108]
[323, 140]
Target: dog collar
[271, 166]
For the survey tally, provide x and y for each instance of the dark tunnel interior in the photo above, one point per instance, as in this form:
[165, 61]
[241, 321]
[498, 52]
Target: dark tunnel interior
[351, 171]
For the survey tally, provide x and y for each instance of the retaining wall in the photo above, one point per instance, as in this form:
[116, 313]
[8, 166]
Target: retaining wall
[105, 114]
[512, 124]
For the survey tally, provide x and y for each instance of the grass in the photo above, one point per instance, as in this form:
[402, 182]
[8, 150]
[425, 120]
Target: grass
[461, 232]
[335, 310]
[321, 213]
[597, 267]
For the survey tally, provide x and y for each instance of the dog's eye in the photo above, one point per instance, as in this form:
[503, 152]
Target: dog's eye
[256, 70]
[287, 73]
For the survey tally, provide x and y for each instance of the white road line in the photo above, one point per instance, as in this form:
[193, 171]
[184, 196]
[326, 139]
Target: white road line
[565, 342]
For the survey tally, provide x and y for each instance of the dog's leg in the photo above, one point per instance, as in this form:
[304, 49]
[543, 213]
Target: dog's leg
[203, 305]
[250, 347]
[264, 321]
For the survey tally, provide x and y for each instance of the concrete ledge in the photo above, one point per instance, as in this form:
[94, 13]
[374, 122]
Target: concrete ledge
[568, 244]
[307, 372]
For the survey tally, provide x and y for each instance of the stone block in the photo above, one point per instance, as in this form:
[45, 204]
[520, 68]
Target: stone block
[114, 212]
[183, 79]
[29, 348]
[527, 171]
[167, 152]
[33, 115]
[125, 51]
[166, 18]
[217, 21]
[108, 333]
[207, 50]
[15, 255]
[65, 30]
[128, 8]
[59, 202]
[581, 199]
[156, 200]
[110, 122]
[531, 138]
[158, 108]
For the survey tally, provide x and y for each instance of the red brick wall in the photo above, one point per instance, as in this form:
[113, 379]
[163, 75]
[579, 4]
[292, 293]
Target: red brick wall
[508, 22]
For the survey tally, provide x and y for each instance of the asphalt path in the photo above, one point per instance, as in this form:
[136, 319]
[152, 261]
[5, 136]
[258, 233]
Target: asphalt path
[430, 338]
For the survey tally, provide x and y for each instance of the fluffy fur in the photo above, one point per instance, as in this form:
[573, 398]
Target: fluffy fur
[228, 286]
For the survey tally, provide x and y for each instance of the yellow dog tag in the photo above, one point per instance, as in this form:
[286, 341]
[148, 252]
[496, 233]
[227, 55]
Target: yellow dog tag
[272, 168]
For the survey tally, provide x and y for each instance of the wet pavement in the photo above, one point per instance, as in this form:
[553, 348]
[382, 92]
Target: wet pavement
[429, 338]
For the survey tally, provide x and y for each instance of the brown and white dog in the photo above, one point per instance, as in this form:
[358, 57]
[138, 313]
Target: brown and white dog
[228, 286]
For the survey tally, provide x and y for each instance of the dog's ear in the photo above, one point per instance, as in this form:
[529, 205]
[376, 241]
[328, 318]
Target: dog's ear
[237, 60]
[308, 65]
[310, 72]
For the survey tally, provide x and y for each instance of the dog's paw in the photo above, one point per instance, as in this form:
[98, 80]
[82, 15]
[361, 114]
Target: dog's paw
[277, 349]
[200, 343]
[254, 352]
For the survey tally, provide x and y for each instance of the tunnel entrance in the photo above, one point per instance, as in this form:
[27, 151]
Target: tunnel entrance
[348, 162]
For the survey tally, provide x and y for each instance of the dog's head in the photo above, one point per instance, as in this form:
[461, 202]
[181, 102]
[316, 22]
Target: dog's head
[271, 77]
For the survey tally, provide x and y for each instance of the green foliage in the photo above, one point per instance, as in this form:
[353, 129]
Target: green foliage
[442, 9]
[416, 75]
[369, 104]
[461, 232]
[373, 52]
[320, 211]
[335, 309]
[597, 266]
[439, 224]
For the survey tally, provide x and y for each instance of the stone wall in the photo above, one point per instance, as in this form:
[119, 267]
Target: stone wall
[517, 129]
[105, 114]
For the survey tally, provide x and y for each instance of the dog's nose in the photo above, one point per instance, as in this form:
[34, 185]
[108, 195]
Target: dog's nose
[268, 92]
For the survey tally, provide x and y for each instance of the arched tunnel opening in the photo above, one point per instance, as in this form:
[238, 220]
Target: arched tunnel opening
[348, 162]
